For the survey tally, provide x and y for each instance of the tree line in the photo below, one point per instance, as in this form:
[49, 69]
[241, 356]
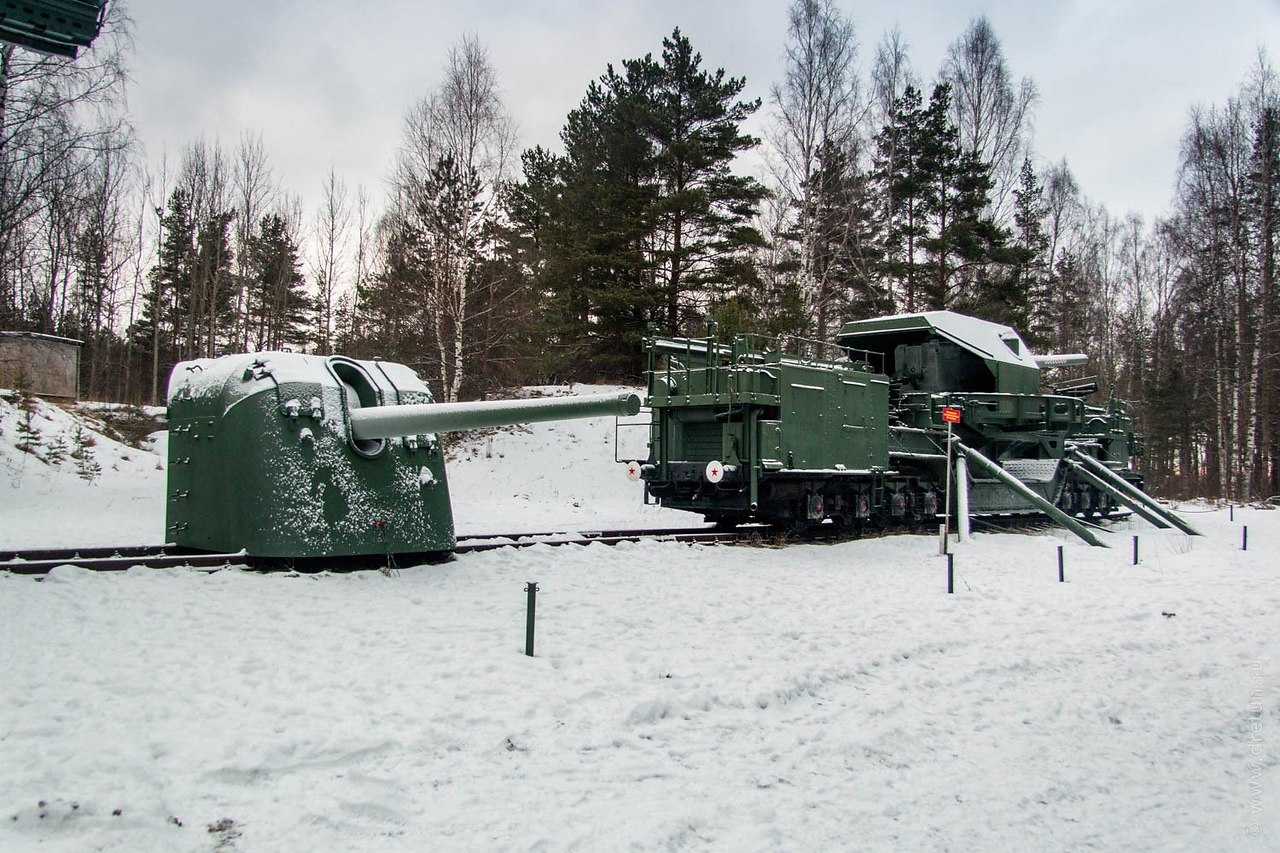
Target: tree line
[487, 265]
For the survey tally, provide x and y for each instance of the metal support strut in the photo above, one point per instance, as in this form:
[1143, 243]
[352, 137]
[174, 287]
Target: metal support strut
[1131, 495]
[1119, 496]
[986, 466]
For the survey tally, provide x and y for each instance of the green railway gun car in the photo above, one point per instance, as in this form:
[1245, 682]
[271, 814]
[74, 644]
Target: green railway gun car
[799, 434]
[749, 431]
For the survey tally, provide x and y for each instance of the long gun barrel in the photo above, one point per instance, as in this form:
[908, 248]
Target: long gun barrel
[1066, 359]
[394, 421]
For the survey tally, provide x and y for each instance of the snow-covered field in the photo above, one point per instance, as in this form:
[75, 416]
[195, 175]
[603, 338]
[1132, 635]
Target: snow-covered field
[814, 697]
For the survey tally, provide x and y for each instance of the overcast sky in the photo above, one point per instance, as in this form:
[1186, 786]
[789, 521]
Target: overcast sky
[328, 82]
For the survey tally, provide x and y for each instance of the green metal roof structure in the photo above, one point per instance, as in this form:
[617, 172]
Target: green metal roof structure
[59, 27]
[1013, 367]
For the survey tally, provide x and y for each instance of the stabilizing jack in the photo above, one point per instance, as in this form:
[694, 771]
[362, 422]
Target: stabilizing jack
[1124, 492]
[988, 467]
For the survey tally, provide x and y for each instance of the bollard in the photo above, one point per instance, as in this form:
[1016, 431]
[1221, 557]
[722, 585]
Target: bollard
[951, 573]
[1135, 550]
[1244, 539]
[532, 589]
[1061, 574]
[1231, 512]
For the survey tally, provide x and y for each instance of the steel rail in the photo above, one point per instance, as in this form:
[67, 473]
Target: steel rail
[39, 562]
[119, 563]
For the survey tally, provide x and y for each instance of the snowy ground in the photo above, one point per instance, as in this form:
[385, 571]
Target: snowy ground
[814, 697]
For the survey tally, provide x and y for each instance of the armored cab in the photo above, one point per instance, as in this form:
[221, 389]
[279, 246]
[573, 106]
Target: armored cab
[942, 359]
[941, 351]
[284, 455]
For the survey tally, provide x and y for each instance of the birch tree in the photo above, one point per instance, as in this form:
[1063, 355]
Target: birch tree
[816, 110]
[460, 132]
[992, 112]
[328, 262]
[254, 192]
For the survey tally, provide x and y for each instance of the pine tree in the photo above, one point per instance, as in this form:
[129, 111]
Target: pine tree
[641, 222]
[55, 452]
[28, 434]
[82, 444]
[156, 332]
[938, 237]
[1018, 280]
[903, 174]
[702, 217]
[280, 308]
[604, 233]
[207, 307]
[963, 238]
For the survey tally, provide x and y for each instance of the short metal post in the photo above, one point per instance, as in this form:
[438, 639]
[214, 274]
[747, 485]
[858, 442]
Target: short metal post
[1231, 512]
[1244, 539]
[1135, 550]
[951, 573]
[964, 525]
[532, 589]
[1061, 573]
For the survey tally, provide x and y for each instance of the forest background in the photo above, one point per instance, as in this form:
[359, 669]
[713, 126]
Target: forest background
[485, 265]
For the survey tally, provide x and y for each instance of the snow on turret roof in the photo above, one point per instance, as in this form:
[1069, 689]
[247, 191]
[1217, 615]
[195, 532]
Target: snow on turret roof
[989, 340]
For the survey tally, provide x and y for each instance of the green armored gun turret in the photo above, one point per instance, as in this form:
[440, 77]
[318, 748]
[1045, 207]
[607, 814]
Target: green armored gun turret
[284, 455]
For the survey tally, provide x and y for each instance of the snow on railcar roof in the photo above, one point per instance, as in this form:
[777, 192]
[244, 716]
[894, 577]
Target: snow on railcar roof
[989, 340]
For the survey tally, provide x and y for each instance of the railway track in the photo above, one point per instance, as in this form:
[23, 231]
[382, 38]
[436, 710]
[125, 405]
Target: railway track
[481, 542]
[43, 560]
[40, 561]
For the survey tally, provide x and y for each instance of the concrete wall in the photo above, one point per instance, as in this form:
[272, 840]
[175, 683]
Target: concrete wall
[49, 365]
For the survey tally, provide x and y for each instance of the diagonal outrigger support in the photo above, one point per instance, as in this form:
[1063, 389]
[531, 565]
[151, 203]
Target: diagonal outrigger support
[1118, 496]
[986, 466]
[1123, 491]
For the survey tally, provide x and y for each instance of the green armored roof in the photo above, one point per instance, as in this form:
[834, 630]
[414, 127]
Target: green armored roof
[1001, 347]
[981, 337]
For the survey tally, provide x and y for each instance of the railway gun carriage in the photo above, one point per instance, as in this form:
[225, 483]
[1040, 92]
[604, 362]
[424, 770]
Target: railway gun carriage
[941, 359]
[752, 430]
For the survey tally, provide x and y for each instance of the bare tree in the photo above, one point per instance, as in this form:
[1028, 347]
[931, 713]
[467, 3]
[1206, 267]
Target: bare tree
[43, 103]
[457, 149]
[1063, 208]
[816, 107]
[993, 115]
[254, 191]
[205, 176]
[328, 262]
[103, 250]
[57, 117]
[349, 315]
[891, 74]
